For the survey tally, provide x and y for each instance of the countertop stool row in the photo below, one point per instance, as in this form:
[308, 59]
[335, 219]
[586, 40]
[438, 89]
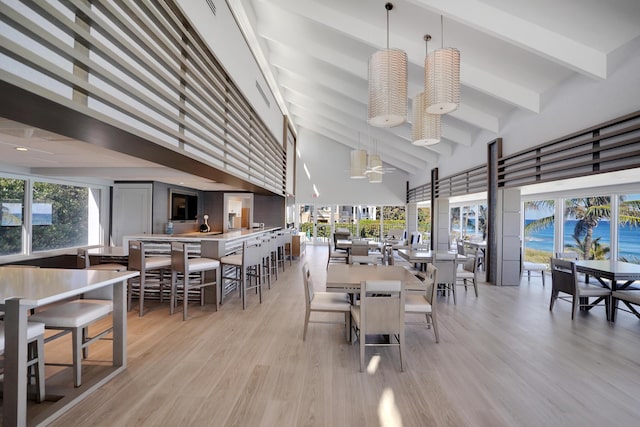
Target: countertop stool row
[255, 266]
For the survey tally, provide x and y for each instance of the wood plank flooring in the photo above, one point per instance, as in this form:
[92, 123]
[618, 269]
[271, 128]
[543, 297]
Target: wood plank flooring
[503, 360]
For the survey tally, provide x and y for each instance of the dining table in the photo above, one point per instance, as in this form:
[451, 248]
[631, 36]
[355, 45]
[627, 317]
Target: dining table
[25, 288]
[348, 277]
[620, 274]
[423, 258]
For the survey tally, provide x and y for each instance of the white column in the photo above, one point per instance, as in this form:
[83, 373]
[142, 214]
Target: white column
[509, 247]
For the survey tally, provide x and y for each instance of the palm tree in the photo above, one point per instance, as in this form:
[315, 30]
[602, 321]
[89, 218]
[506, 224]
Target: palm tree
[588, 211]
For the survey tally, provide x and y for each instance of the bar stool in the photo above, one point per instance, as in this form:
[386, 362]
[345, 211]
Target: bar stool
[84, 262]
[246, 266]
[138, 261]
[181, 263]
[35, 354]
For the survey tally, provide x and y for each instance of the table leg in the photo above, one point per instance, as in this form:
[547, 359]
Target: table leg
[120, 324]
[15, 364]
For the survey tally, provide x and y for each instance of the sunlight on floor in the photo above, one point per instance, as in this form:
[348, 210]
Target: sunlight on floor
[372, 367]
[388, 411]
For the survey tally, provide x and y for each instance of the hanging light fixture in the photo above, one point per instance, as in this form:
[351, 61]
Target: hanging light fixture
[442, 78]
[374, 164]
[387, 85]
[358, 164]
[426, 127]
[375, 169]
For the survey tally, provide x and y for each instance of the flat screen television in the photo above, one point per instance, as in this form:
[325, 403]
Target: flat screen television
[184, 206]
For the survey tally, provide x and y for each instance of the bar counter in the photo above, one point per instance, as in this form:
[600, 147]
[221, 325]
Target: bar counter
[212, 245]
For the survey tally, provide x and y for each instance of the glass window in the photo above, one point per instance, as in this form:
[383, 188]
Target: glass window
[11, 223]
[539, 228]
[306, 220]
[393, 217]
[323, 223]
[424, 219]
[629, 228]
[454, 222]
[370, 222]
[482, 221]
[586, 226]
[59, 216]
[346, 219]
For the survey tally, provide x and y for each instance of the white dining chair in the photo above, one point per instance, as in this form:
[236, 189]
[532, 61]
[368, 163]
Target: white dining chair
[324, 302]
[424, 302]
[447, 271]
[381, 312]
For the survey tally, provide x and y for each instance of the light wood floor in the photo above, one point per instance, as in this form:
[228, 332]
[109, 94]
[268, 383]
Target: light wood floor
[503, 360]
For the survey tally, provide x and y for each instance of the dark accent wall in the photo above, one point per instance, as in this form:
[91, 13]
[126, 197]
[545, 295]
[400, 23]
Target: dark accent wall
[269, 210]
[214, 207]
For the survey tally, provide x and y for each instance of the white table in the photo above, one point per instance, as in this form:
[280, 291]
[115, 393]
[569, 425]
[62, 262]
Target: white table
[22, 289]
[347, 277]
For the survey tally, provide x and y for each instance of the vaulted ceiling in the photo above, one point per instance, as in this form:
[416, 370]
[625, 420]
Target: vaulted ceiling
[514, 55]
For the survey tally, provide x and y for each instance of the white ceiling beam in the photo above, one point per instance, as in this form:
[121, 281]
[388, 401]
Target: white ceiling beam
[329, 131]
[358, 110]
[522, 33]
[389, 145]
[354, 28]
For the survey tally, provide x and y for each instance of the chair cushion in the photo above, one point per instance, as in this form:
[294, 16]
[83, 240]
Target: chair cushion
[464, 274]
[110, 266]
[586, 290]
[231, 259]
[155, 262]
[533, 266]
[416, 304]
[330, 301]
[631, 296]
[203, 264]
[34, 329]
[74, 314]
[339, 255]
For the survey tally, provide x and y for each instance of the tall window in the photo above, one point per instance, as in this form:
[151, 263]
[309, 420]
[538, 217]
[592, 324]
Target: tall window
[629, 228]
[48, 215]
[59, 216]
[393, 217]
[347, 219]
[370, 222]
[539, 228]
[424, 219]
[323, 223]
[306, 220]
[12, 221]
[586, 226]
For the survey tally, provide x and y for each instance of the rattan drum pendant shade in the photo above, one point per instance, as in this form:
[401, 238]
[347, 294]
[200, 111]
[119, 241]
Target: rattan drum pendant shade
[442, 79]
[387, 85]
[358, 164]
[426, 127]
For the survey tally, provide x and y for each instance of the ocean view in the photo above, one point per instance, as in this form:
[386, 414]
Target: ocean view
[629, 238]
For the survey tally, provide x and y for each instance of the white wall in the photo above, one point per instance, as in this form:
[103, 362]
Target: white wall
[328, 165]
[225, 40]
[579, 103]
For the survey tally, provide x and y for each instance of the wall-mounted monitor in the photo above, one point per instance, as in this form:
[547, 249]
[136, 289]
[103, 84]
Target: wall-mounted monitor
[184, 205]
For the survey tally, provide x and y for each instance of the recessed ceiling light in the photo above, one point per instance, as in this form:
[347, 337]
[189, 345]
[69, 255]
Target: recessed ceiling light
[22, 149]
